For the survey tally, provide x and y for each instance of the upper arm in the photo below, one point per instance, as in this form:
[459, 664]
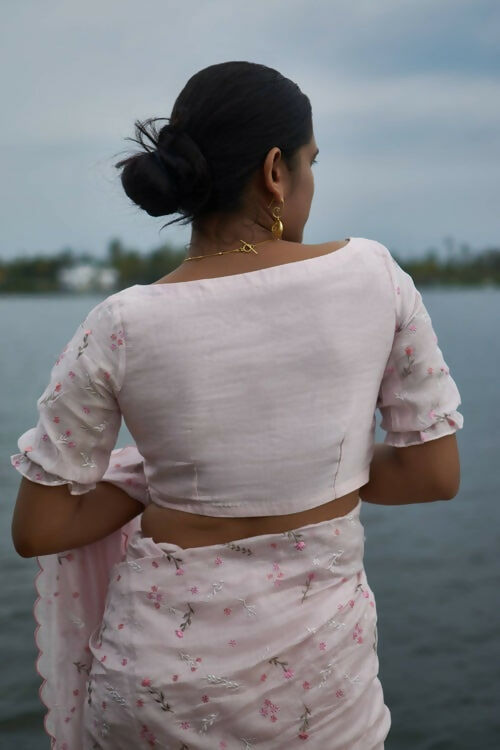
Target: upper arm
[78, 421]
[418, 398]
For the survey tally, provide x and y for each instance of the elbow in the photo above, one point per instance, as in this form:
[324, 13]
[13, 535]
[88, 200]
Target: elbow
[449, 490]
[22, 548]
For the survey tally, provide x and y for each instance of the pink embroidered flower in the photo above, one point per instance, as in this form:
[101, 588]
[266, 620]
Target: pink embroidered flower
[451, 421]
[104, 705]
[194, 589]
[179, 572]
[198, 659]
[232, 642]
[185, 724]
[56, 420]
[76, 692]
[398, 290]
[227, 610]
[310, 576]
[273, 545]
[205, 698]
[154, 564]
[58, 387]
[71, 444]
[86, 410]
[222, 745]
[351, 603]
[175, 677]
[113, 336]
[303, 735]
[412, 328]
[120, 626]
[38, 475]
[71, 374]
[146, 682]
[322, 646]
[218, 561]
[263, 677]
[300, 545]
[306, 685]
[68, 433]
[139, 703]
[409, 350]
[288, 674]
[107, 375]
[430, 370]
[179, 633]
[45, 436]
[124, 662]
[339, 693]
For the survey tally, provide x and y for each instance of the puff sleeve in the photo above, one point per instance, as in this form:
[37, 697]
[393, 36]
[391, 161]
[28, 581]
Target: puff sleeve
[78, 413]
[418, 398]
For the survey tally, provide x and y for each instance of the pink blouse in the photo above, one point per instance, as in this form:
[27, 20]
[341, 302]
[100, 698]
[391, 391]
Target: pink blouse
[247, 395]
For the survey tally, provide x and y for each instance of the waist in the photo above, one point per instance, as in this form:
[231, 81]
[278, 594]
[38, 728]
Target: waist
[186, 529]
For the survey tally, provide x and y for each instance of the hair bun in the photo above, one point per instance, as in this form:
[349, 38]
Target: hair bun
[173, 177]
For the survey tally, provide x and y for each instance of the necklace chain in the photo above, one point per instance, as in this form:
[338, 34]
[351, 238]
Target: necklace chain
[245, 247]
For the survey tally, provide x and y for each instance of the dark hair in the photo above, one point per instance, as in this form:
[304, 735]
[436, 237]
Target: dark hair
[223, 124]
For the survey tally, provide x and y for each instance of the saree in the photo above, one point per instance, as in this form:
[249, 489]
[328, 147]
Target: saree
[265, 642]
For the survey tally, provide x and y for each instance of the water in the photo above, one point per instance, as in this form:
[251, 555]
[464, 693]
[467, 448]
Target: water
[434, 568]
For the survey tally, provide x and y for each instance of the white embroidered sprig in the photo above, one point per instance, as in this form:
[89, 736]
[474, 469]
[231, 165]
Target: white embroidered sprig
[325, 673]
[334, 558]
[215, 588]
[207, 722]
[116, 695]
[216, 680]
[88, 462]
[251, 610]
[94, 428]
[90, 387]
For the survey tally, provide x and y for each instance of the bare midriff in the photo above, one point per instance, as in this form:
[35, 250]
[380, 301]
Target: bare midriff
[195, 530]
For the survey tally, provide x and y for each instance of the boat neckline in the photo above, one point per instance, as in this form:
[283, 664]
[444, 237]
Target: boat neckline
[247, 274]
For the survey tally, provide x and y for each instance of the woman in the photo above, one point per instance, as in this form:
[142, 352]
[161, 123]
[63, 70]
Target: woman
[217, 564]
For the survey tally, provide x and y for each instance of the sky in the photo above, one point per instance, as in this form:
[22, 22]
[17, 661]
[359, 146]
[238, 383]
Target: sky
[405, 97]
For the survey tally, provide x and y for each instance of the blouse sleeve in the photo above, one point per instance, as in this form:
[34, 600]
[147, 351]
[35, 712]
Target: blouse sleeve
[126, 471]
[78, 413]
[418, 398]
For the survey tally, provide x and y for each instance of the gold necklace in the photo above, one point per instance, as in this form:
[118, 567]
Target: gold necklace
[245, 247]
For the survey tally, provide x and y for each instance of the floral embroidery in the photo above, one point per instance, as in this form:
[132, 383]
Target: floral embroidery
[270, 709]
[84, 344]
[117, 339]
[187, 621]
[158, 695]
[303, 735]
[309, 578]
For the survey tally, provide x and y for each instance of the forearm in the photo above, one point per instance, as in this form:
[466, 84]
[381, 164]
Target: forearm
[391, 483]
[60, 521]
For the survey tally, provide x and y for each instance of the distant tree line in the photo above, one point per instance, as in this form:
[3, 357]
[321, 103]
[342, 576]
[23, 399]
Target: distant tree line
[41, 273]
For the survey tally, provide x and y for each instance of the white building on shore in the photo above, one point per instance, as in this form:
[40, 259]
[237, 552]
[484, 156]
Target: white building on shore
[88, 278]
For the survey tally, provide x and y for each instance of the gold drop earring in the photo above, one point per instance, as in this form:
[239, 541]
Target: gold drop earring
[277, 227]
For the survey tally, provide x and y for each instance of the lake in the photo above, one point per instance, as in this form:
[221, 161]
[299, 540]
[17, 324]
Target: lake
[433, 568]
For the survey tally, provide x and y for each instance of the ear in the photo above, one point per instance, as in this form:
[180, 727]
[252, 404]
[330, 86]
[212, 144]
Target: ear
[273, 173]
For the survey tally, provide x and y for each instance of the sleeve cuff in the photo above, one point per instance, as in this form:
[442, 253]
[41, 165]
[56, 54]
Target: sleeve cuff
[36, 473]
[448, 424]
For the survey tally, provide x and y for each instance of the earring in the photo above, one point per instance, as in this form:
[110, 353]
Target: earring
[277, 227]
